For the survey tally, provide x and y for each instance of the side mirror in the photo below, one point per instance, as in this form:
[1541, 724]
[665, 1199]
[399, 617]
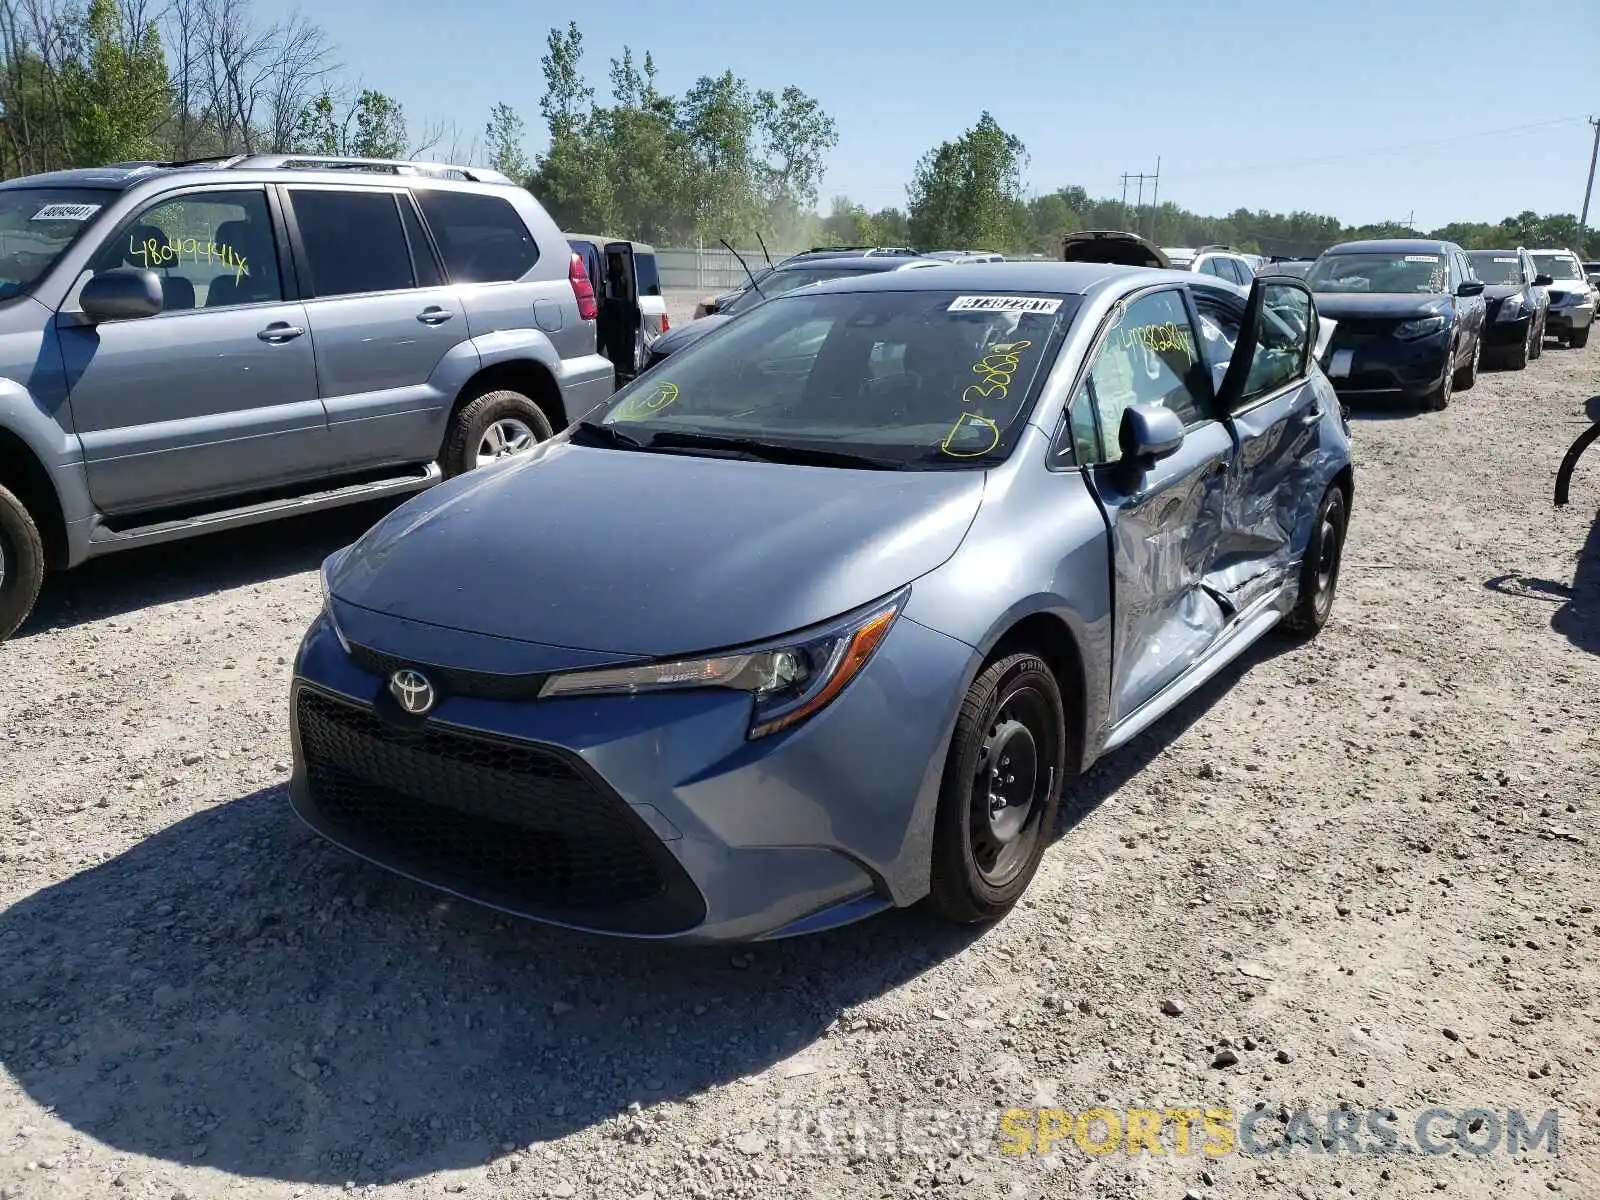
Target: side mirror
[1542, 281]
[1472, 287]
[122, 294]
[1149, 433]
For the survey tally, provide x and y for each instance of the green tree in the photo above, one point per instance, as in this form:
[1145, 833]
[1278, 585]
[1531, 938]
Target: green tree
[848, 224]
[967, 193]
[372, 126]
[503, 136]
[118, 91]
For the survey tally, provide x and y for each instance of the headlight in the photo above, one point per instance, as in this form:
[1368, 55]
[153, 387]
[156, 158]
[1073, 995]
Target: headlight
[788, 680]
[1421, 327]
[1510, 308]
[329, 565]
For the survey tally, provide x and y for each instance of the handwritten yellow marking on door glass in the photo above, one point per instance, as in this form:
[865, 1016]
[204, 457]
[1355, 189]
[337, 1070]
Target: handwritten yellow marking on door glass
[173, 252]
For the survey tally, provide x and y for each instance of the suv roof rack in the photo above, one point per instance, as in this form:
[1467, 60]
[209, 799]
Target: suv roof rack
[392, 166]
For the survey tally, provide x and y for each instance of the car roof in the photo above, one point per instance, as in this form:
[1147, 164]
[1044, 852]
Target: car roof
[248, 167]
[861, 263]
[1507, 250]
[1416, 245]
[1059, 278]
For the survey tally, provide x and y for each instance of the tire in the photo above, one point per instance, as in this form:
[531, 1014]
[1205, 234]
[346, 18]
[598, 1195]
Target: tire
[1439, 399]
[1579, 338]
[492, 414]
[21, 564]
[1468, 375]
[1319, 572]
[1535, 350]
[1012, 717]
[1516, 357]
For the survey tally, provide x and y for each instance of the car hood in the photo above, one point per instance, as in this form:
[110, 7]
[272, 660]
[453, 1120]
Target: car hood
[639, 553]
[1499, 291]
[1380, 304]
[1563, 287]
[682, 335]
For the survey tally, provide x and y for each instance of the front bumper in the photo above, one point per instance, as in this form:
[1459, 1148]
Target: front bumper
[1500, 334]
[1380, 364]
[646, 816]
[1569, 319]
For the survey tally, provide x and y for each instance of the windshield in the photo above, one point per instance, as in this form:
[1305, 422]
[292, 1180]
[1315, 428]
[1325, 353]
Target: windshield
[779, 282]
[911, 379]
[1495, 267]
[37, 225]
[1378, 271]
[1558, 266]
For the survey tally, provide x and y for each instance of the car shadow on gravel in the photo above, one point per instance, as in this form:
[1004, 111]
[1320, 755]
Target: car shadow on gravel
[134, 579]
[233, 992]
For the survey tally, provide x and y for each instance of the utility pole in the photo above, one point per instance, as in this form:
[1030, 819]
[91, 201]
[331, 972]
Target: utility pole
[1139, 201]
[1588, 189]
[1155, 196]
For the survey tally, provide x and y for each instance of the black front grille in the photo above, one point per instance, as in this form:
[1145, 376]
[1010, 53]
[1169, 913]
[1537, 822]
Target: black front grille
[510, 824]
[451, 681]
[1363, 327]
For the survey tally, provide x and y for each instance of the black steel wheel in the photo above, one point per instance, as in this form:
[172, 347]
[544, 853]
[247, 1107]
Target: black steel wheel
[1002, 787]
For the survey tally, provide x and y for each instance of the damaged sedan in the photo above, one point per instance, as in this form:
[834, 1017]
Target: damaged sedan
[822, 616]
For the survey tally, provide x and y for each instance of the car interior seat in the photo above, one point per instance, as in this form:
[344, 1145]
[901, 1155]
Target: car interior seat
[257, 283]
[177, 293]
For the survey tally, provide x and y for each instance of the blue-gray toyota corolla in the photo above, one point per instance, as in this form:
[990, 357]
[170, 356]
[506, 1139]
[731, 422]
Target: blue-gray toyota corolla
[820, 616]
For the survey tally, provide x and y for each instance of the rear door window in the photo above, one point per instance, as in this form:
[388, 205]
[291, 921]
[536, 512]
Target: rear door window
[482, 238]
[644, 266]
[353, 242]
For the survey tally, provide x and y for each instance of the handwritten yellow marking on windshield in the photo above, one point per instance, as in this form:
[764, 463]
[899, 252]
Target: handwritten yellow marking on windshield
[974, 422]
[155, 253]
[997, 367]
[646, 404]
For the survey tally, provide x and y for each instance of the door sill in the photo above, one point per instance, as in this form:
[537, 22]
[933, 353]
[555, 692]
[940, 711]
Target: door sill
[103, 538]
[1242, 633]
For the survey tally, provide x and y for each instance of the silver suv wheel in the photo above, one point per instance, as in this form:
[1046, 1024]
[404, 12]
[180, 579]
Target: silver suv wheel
[504, 438]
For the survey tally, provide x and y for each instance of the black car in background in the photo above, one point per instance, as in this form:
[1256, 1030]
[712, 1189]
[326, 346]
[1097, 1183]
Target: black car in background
[1297, 267]
[792, 273]
[1409, 316]
[1516, 304]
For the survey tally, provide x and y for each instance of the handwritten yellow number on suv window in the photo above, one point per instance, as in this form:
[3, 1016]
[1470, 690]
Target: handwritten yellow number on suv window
[997, 367]
[987, 436]
[174, 251]
[637, 408]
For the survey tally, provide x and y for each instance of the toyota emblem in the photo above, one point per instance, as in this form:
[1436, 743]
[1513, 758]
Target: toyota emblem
[412, 691]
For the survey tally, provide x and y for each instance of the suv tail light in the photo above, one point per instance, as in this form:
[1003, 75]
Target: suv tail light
[582, 290]
[665, 323]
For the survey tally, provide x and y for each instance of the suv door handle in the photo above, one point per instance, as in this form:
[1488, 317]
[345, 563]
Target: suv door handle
[434, 315]
[279, 332]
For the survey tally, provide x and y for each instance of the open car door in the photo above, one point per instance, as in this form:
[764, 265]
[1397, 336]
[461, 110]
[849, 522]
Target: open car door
[1275, 399]
[620, 331]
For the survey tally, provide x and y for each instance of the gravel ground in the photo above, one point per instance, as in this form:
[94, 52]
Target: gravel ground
[1358, 872]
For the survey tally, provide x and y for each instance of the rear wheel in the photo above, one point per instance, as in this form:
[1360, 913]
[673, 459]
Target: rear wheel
[1319, 572]
[21, 564]
[496, 425]
[1001, 790]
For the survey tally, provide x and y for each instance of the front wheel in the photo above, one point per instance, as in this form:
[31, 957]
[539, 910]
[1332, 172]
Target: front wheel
[1537, 348]
[21, 564]
[1468, 375]
[1517, 356]
[1001, 790]
[1579, 338]
[1319, 572]
[496, 425]
[1439, 399]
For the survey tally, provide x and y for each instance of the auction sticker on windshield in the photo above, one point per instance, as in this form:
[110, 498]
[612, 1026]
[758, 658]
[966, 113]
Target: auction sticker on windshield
[1422, 258]
[66, 212]
[1004, 304]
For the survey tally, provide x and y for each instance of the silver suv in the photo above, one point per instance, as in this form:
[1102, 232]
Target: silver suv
[188, 347]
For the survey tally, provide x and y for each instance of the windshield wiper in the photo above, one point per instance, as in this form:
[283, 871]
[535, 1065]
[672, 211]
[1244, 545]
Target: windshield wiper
[772, 451]
[608, 435]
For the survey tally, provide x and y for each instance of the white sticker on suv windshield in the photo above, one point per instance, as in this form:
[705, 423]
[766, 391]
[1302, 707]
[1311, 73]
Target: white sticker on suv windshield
[1422, 258]
[1017, 304]
[66, 212]
[1506, 260]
